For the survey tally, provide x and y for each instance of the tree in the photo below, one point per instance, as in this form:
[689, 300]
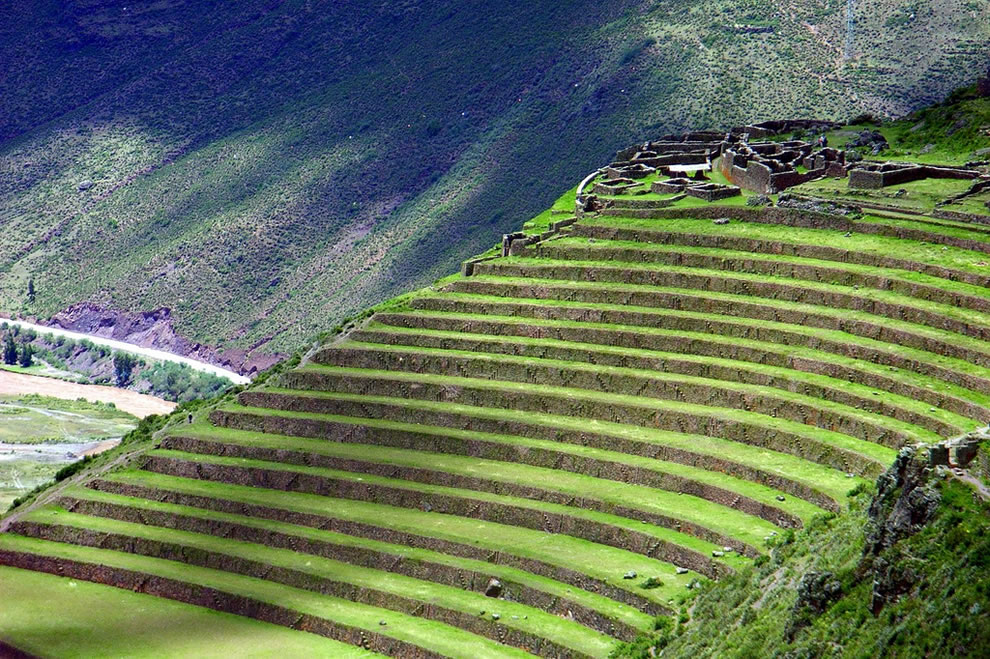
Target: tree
[31, 290]
[26, 355]
[9, 351]
[123, 365]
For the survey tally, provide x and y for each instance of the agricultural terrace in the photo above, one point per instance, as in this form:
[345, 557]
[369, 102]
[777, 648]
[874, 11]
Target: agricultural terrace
[542, 456]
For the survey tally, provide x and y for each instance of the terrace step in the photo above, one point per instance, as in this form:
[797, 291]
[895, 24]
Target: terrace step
[912, 395]
[645, 328]
[593, 567]
[902, 282]
[466, 354]
[802, 394]
[887, 227]
[518, 626]
[870, 305]
[593, 611]
[742, 494]
[636, 397]
[341, 620]
[826, 448]
[887, 330]
[653, 541]
[513, 478]
[780, 242]
[694, 465]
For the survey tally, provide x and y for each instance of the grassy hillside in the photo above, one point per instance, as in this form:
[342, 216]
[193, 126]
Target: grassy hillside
[652, 425]
[264, 170]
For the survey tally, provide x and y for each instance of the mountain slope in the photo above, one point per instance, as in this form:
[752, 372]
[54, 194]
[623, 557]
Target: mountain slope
[264, 171]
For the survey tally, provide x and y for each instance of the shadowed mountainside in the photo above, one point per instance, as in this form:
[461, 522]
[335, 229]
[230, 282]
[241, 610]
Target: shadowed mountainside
[263, 170]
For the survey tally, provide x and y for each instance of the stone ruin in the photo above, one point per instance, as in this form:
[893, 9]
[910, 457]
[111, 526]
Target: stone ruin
[762, 166]
[874, 176]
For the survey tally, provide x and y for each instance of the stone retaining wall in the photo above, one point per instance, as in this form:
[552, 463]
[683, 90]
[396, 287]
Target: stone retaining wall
[458, 577]
[327, 521]
[719, 326]
[486, 367]
[754, 434]
[642, 413]
[758, 309]
[213, 599]
[191, 555]
[712, 346]
[500, 513]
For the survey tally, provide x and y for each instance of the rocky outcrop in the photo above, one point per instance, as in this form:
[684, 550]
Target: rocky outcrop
[905, 502]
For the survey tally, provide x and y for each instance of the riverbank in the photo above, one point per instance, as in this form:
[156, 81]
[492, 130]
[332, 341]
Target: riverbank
[150, 353]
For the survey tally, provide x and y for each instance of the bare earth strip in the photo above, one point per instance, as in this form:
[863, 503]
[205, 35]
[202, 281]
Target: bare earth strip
[140, 405]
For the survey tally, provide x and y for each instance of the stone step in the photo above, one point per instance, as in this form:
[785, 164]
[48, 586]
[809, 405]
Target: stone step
[906, 283]
[646, 457]
[846, 381]
[695, 353]
[622, 396]
[340, 620]
[326, 577]
[612, 530]
[476, 576]
[882, 343]
[758, 430]
[882, 304]
[782, 244]
[595, 568]
[509, 477]
[642, 379]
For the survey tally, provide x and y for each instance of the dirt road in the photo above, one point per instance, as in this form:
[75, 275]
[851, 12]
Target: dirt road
[140, 405]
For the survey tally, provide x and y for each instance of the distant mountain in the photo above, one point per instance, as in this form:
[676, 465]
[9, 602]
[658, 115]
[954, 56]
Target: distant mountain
[265, 169]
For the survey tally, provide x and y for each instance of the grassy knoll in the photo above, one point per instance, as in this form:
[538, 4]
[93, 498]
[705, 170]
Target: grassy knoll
[153, 626]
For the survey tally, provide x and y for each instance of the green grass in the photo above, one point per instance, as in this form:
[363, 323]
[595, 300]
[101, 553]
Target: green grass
[688, 508]
[816, 477]
[424, 633]
[659, 533]
[763, 494]
[608, 607]
[559, 289]
[545, 269]
[398, 337]
[571, 393]
[922, 196]
[783, 377]
[56, 616]
[913, 250]
[836, 336]
[524, 618]
[600, 561]
[736, 261]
